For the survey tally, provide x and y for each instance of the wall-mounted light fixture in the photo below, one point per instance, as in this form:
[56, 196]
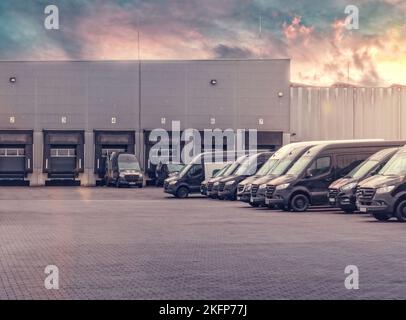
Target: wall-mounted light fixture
[64, 120]
[12, 120]
[163, 120]
[280, 94]
[213, 121]
[260, 121]
[213, 82]
[113, 120]
[13, 79]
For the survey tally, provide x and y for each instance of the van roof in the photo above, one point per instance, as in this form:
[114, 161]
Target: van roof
[355, 143]
[295, 146]
[382, 154]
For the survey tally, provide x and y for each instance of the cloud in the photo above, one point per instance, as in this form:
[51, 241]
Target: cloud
[227, 52]
[310, 32]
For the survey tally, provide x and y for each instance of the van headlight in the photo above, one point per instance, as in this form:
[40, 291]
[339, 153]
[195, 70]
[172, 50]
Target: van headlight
[385, 189]
[229, 183]
[122, 175]
[349, 186]
[282, 186]
[172, 182]
[262, 186]
[248, 187]
[216, 183]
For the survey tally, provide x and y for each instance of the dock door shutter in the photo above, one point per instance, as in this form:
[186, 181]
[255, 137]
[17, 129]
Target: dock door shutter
[107, 142]
[15, 154]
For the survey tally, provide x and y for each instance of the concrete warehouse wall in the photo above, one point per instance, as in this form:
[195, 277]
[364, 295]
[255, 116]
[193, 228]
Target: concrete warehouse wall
[346, 113]
[140, 96]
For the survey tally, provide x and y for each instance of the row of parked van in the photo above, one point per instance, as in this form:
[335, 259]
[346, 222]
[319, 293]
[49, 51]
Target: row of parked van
[354, 175]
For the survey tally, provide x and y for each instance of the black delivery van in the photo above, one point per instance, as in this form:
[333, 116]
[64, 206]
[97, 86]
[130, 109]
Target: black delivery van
[341, 192]
[217, 174]
[284, 160]
[228, 185]
[307, 181]
[384, 195]
[214, 183]
[189, 179]
[123, 169]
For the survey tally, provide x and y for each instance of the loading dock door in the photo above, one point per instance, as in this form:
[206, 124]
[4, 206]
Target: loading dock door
[62, 162]
[12, 163]
[63, 155]
[15, 156]
[106, 152]
[107, 142]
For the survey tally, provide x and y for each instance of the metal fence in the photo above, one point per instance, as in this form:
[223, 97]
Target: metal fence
[319, 113]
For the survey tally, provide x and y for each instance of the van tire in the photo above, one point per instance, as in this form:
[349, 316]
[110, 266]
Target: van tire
[381, 216]
[254, 205]
[401, 211]
[182, 193]
[299, 202]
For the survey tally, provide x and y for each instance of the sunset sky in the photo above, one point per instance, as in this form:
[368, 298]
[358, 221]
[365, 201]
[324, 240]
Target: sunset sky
[310, 32]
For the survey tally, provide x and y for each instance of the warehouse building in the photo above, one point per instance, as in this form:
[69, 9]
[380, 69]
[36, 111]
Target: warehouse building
[59, 120]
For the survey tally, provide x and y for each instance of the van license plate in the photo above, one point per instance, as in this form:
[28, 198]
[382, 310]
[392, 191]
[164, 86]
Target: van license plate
[333, 200]
[363, 209]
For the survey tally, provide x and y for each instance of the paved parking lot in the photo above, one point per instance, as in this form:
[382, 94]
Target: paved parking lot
[142, 244]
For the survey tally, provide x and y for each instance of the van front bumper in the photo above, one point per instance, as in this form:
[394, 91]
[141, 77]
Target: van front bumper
[170, 188]
[130, 182]
[381, 203]
[345, 201]
[227, 193]
[279, 198]
[258, 198]
[244, 196]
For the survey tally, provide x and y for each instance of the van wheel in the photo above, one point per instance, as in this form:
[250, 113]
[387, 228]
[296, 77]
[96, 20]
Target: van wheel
[182, 193]
[254, 205]
[299, 203]
[381, 216]
[401, 211]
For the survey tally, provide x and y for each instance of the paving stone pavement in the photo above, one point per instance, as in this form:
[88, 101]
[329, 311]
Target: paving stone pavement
[142, 244]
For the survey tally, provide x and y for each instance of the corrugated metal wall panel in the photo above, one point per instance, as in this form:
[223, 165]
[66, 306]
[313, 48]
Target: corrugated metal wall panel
[346, 113]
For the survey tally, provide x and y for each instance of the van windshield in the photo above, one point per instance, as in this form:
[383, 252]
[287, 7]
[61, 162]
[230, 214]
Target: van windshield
[248, 167]
[395, 167]
[281, 167]
[128, 162]
[362, 169]
[185, 170]
[221, 171]
[299, 166]
[265, 169]
[175, 167]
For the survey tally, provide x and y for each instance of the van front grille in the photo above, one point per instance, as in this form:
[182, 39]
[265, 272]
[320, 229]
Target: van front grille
[254, 190]
[270, 190]
[131, 178]
[222, 186]
[332, 193]
[365, 194]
